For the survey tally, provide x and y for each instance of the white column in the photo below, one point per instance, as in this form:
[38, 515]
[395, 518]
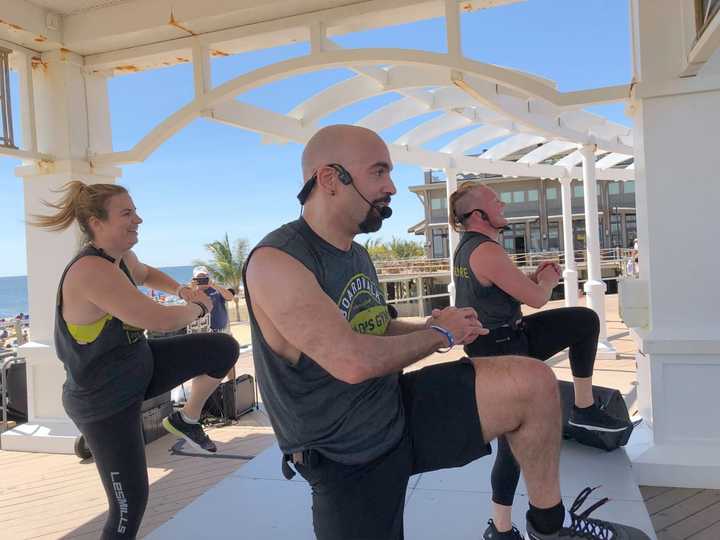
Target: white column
[71, 110]
[27, 102]
[676, 169]
[421, 297]
[570, 276]
[453, 236]
[594, 286]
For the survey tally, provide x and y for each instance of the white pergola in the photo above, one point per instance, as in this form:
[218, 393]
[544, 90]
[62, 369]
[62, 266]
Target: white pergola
[65, 56]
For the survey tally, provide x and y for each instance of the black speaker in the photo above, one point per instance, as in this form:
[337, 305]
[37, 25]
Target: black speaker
[608, 399]
[232, 399]
[17, 391]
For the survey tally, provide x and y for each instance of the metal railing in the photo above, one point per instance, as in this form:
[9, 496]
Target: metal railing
[400, 267]
[607, 256]
[411, 266]
[411, 269]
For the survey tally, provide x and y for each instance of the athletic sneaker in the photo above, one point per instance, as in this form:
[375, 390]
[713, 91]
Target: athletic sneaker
[582, 526]
[593, 418]
[191, 432]
[491, 533]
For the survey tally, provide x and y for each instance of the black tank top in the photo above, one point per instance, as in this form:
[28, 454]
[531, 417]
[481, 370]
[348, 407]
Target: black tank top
[494, 306]
[108, 374]
[308, 407]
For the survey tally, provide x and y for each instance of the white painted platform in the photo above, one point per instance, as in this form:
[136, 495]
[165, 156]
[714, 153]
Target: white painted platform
[257, 502]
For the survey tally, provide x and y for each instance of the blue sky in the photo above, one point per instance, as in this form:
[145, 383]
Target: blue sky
[210, 179]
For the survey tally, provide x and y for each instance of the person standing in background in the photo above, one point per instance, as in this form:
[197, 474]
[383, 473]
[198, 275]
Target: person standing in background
[219, 320]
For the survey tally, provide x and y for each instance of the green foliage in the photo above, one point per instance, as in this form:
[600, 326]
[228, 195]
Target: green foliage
[395, 249]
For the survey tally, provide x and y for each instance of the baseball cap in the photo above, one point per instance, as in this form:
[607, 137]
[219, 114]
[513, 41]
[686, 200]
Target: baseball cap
[200, 270]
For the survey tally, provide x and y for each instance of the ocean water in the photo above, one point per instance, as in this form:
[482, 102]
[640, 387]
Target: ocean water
[13, 290]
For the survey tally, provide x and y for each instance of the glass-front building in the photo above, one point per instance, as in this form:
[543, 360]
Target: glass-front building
[534, 208]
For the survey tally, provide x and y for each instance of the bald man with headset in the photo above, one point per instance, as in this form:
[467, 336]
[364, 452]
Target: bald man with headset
[329, 358]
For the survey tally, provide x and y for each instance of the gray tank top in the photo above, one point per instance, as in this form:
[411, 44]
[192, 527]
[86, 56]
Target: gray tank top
[308, 407]
[110, 373]
[494, 306]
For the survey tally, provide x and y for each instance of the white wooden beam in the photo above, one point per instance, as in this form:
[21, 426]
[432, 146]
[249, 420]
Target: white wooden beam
[27, 102]
[433, 71]
[359, 88]
[263, 121]
[318, 37]
[109, 36]
[704, 47]
[452, 29]
[546, 151]
[202, 76]
[393, 113]
[483, 92]
[512, 145]
[611, 160]
[25, 155]
[471, 139]
[432, 128]
[30, 25]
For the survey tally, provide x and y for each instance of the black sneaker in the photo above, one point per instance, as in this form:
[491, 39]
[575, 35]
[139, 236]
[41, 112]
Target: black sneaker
[192, 433]
[582, 526]
[593, 418]
[491, 533]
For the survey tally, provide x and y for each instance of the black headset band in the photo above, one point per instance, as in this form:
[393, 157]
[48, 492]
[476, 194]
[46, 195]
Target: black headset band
[466, 215]
[343, 175]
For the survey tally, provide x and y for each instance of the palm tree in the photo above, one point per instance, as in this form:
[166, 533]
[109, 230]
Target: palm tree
[376, 249]
[406, 249]
[396, 249]
[227, 264]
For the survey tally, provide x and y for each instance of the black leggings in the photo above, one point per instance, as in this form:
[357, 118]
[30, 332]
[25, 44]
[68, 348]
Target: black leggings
[544, 334]
[117, 442]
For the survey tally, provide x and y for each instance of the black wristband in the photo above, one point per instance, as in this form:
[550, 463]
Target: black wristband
[204, 310]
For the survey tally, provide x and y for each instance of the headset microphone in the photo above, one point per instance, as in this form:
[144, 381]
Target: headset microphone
[345, 178]
[485, 217]
[384, 211]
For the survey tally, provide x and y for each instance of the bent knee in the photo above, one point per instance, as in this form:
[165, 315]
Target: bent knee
[226, 351]
[588, 319]
[535, 380]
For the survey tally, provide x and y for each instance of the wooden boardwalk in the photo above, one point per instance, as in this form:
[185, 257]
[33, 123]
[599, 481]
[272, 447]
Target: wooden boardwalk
[51, 496]
[678, 514]
[47, 496]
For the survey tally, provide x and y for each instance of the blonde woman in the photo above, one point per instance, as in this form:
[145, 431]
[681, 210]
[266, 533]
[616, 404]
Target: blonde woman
[111, 367]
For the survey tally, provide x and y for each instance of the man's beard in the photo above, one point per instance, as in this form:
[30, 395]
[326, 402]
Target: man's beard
[372, 221]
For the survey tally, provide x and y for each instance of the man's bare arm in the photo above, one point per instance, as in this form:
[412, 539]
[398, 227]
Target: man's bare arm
[290, 296]
[400, 327]
[489, 261]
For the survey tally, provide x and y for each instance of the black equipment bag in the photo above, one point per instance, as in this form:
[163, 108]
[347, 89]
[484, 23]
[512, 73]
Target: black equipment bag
[16, 381]
[231, 403]
[608, 399]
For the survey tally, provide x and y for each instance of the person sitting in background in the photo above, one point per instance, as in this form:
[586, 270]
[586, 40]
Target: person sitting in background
[219, 320]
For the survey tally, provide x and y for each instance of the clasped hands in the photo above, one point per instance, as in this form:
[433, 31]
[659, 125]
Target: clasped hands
[547, 271]
[462, 323]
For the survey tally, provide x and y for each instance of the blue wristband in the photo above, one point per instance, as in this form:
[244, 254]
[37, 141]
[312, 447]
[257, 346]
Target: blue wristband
[445, 332]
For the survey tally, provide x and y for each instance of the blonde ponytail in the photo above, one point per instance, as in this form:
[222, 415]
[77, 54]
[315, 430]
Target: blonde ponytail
[79, 203]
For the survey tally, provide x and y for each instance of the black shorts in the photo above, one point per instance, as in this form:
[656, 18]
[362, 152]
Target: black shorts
[442, 430]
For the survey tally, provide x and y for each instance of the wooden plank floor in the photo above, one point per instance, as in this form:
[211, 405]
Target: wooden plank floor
[49, 496]
[679, 514]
